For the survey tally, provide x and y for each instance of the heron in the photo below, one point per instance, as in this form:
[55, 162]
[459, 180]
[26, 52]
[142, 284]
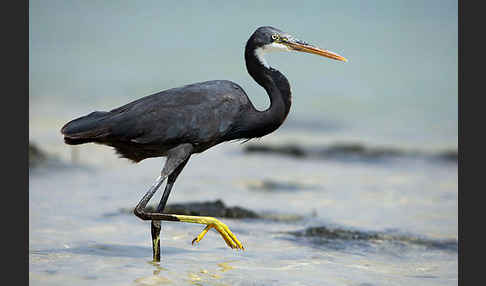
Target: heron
[179, 122]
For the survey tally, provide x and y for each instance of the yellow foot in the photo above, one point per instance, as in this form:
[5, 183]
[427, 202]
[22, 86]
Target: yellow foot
[225, 232]
[211, 222]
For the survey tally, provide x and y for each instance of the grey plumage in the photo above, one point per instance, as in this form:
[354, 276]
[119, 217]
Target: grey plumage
[182, 121]
[203, 114]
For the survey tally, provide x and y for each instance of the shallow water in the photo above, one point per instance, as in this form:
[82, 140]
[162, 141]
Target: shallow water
[374, 222]
[75, 237]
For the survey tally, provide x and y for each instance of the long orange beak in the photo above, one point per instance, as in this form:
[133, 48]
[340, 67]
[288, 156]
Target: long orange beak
[306, 48]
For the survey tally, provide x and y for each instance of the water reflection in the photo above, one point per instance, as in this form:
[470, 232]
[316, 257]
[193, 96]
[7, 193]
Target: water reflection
[202, 276]
[110, 250]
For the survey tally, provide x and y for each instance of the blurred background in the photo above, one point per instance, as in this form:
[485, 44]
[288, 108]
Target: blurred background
[377, 138]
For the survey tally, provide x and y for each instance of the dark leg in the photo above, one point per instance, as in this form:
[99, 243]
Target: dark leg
[168, 187]
[175, 157]
[176, 160]
[155, 225]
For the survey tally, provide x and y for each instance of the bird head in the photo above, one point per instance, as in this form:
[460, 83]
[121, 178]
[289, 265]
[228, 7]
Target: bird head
[266, 39]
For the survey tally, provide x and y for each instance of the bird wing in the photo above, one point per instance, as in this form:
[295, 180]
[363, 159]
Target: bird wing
[195, 113]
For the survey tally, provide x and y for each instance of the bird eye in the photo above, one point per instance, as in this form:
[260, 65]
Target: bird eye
[275, 36]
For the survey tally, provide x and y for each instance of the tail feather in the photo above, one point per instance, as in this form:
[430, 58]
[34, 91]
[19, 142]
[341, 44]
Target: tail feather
[86, 129]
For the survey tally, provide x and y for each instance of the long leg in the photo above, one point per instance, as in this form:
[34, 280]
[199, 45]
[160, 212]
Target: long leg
[155, 225]
[177, 156]
[168, 187]
[176, 160]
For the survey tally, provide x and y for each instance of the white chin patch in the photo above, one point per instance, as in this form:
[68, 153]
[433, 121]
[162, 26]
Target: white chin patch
[260, 52]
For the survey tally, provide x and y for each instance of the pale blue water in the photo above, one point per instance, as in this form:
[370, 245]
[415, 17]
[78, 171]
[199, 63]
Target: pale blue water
[398, 89]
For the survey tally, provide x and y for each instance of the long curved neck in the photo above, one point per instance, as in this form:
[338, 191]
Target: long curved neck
[277, 88]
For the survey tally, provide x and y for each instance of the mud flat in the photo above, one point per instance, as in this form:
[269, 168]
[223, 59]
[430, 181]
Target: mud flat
[218, 209]
[349, 151]
[36, 155]
[323, 235]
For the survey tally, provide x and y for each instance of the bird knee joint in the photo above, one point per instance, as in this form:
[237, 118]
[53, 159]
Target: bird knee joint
[140, 213]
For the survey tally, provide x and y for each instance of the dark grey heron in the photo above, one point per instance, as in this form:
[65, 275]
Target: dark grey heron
[179, 122]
